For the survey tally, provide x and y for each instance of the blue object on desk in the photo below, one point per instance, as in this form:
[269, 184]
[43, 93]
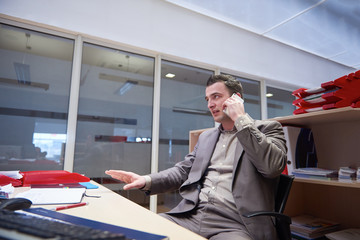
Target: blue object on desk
[129, 233]
[89, 185]
[4, 195]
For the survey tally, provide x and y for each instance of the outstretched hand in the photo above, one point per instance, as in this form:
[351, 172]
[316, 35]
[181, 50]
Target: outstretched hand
[131, 179]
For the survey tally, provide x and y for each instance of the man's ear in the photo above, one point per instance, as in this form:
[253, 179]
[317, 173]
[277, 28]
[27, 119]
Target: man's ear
[239, 94]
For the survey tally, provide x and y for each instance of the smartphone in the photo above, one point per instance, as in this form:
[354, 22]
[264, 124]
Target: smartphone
[236, 97]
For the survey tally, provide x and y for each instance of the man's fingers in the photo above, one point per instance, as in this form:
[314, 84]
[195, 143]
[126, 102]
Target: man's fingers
[119, 175]
[129, 186]
[131, 179]
[135, 184]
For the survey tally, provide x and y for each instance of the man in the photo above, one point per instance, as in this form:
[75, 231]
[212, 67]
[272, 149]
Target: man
[234, 169]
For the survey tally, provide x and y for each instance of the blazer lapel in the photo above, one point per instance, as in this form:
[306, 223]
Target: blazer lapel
[238, 152]
[203, 155]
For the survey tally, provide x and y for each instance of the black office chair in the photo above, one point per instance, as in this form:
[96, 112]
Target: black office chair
[282, 222]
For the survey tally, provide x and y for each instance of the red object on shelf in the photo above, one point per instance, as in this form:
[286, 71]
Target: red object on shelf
[349, 91]
[342, 92]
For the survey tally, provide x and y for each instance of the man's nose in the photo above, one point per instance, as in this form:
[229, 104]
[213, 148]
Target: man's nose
[210, 104]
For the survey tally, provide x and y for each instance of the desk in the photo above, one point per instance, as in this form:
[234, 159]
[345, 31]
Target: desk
[114, 209]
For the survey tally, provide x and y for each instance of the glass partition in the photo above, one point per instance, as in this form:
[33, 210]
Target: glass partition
[279, 102]
[35, 73]
[182, 108]
[114, 125]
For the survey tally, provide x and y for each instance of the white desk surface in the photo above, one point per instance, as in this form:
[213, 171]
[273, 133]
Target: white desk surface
[114, 209]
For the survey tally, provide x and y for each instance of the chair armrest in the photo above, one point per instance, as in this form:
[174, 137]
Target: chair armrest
[279, 216]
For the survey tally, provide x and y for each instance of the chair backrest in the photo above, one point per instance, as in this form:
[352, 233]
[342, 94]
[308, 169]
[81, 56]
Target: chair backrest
[282, 192]
[283, 222]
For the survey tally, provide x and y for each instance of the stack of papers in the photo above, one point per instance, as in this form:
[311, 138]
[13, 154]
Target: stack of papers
[347, 174]
[310, 227]
[53, 195]
[347, 234]
[316, 173]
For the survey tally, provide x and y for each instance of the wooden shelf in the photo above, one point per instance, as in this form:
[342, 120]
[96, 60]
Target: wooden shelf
[336, 134]
[321, 117]
[337, 183]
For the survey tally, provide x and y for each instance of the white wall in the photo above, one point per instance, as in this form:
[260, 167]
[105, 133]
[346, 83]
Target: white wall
[167, 29]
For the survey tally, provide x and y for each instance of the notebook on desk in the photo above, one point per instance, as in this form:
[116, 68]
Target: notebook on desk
[129, 233]
[53, 195]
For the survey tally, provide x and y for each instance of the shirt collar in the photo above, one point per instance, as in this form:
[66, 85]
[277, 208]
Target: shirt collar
[221, 129]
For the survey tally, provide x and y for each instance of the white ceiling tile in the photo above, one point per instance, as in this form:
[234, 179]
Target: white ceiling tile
[327, 28]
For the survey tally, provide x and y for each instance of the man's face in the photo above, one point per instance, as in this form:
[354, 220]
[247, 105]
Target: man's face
[216, 94]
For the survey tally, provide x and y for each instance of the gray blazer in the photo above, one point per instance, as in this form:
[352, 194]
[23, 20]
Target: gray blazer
[259, 160]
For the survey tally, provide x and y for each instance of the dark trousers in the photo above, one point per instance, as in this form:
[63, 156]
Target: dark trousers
[211, 222]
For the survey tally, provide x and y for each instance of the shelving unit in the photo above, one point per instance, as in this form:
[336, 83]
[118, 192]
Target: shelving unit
[337, 139]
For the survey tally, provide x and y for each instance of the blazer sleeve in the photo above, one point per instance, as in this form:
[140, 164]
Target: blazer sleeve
[172, 178]
[265, 146]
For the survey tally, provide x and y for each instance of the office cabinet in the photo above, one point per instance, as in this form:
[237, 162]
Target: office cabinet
[336, 134]
[337, 140]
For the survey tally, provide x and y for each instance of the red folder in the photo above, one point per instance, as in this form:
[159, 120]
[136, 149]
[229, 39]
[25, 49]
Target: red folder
[52, 177]
[342, 92]
[349, 91]
[5, 180]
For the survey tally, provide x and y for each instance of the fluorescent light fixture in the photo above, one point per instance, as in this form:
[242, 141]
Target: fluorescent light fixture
[170, 75]
[126, 87]
[269, 95]
[22, 73]
[191, 111]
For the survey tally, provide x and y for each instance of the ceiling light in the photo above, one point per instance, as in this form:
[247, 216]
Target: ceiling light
[269, 95]
[22, 73]
[125, 87]
[27, 41]
[191, 111]
[170, 75]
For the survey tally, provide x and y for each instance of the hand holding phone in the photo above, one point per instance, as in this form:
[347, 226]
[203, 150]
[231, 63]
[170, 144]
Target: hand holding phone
[236, 97]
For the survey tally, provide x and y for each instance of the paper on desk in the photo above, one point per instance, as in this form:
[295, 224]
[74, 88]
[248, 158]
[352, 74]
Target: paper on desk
[53, 195]
[7, 188]
[347, 234]
[12, 174]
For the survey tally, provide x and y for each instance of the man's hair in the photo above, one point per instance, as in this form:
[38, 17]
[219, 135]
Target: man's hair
[233, 85]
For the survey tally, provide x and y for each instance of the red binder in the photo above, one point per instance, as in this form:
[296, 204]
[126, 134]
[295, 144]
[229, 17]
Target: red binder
[5, 180]
[52, 177]
[342, 92]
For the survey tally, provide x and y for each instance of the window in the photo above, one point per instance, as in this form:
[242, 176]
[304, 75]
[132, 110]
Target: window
[114, 125]
[115, 107]
[35, 73]
[279, 102]
[182, 108]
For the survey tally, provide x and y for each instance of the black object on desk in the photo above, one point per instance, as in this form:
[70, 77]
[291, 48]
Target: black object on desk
[129, 233]
[15, 225]
[15, 204]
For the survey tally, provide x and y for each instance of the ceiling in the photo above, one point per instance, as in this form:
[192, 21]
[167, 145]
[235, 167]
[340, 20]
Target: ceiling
[326, 28]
